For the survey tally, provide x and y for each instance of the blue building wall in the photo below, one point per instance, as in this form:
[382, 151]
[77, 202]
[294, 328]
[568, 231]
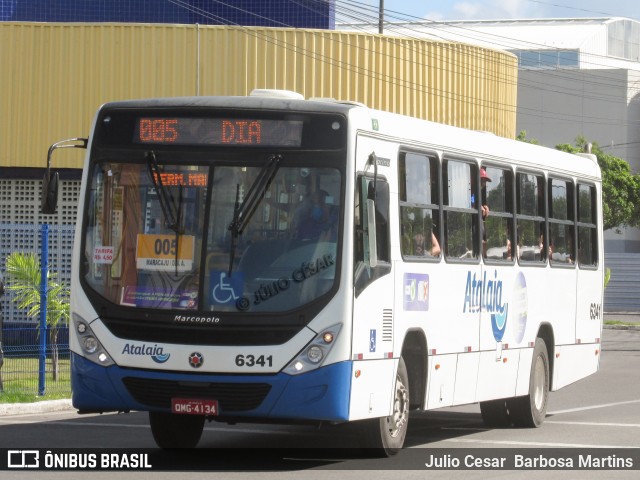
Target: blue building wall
[265, 13]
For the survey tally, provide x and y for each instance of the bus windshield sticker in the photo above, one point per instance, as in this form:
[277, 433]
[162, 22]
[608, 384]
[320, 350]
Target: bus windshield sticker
[225, 289]
[165, 253]
[102, 255]
[158, 297]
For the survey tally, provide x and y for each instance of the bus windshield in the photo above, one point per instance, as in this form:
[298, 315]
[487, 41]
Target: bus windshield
[259, 236]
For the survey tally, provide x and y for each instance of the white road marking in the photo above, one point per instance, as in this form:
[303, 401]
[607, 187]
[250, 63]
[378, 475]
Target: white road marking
[596, 424]
[592, 407]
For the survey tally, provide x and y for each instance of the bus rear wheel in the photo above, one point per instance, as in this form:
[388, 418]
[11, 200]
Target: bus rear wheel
[531, 410]
[526, 411]
[385, 436]
[495, 413]
[176, 431]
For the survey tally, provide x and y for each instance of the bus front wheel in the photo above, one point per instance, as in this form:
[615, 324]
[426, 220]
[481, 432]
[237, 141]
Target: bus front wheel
[176, 431]
[385, 436]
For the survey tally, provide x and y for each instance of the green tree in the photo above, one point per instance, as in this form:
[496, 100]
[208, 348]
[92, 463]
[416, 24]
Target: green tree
[620, 187]
[522, 137]
[23, 277]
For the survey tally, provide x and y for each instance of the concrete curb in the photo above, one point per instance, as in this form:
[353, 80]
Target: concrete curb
[35, 407]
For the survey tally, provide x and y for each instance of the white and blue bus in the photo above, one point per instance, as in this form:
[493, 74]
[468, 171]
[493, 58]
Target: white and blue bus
[270, 258]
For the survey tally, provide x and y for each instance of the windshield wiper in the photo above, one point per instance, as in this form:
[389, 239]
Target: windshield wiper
[170, 209]
[172, 212]
[242, 213]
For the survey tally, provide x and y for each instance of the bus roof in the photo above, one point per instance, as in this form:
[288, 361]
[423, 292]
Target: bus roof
[484, 146]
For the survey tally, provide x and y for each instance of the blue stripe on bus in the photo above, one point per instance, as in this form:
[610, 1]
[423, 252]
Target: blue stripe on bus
[322, 394]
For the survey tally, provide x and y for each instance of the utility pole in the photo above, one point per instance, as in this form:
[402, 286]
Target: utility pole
[381, 18]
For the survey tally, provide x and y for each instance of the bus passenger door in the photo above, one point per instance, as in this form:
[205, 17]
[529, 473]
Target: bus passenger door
[372, 352]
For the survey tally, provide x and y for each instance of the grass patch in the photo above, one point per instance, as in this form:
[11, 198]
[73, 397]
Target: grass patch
[20, 377]
[621, 322]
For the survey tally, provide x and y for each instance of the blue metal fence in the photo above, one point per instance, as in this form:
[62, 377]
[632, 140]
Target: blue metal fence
[34, 358]
[22, 371]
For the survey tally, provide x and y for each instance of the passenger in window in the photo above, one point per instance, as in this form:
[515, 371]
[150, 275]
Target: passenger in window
[435, 246]
[484, 178]
[435, 243]
[420, 249]
[484, 207]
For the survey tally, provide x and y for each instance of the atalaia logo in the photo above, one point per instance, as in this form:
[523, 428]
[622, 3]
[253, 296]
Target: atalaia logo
[156, 353]
[484, 294]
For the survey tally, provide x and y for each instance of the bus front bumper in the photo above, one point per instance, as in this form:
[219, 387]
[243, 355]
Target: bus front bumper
[319, 395]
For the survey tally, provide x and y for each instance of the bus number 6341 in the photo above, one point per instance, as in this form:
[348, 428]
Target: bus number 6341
[252, 361]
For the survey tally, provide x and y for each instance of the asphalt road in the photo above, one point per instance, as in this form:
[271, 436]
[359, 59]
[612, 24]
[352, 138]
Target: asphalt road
[602, 411]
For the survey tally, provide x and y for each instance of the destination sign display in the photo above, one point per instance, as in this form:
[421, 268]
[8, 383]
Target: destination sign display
[218, 131]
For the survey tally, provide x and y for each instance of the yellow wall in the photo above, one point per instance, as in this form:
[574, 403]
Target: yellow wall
[55, 76]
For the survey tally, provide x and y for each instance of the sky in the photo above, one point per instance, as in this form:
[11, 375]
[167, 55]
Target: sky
[504, 9]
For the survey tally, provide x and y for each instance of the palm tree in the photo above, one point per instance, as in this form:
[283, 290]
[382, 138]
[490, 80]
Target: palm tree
[23, 277]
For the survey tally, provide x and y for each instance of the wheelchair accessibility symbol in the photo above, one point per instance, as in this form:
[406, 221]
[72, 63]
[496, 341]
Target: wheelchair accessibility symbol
[225, 290]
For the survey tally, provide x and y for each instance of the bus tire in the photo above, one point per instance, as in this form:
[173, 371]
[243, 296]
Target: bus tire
[385, 436]
[531, 410]
[176, 431]
[495, 413]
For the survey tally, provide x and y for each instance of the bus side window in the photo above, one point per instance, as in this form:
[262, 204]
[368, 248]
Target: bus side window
[531, 243]
[587, 227]
[498, 241]
[561, 222]
[461, 207]
[382, 221]
[419, 209]
[363, 274]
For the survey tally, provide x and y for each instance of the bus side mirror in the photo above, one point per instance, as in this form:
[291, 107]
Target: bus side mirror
[49, 200]
[50, 182]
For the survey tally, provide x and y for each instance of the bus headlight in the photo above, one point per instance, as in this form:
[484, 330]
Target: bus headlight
[90, 344]
[91, 347]
[315, 353]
